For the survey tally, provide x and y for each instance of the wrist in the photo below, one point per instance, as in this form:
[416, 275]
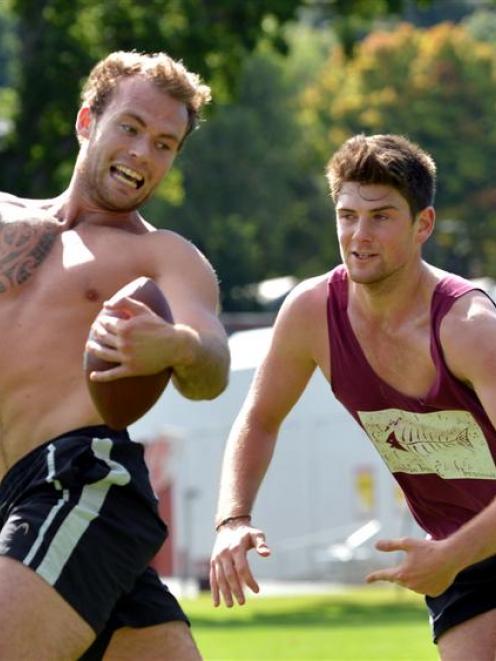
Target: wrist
[459, 553]
[229, 519]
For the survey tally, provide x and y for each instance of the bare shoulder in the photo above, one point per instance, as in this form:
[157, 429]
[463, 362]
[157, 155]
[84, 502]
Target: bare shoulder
[24, 210]
[8, 198]
[179, 253]
[181, 268]
[467, 334]
[301, 325]
[297, 347]
[471, 314]
[11, 207]
[306, 303]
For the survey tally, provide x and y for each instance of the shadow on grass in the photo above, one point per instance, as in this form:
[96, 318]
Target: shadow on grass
[327, 612]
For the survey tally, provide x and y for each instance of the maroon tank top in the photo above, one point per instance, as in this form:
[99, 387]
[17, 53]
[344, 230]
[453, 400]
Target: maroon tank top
[440, 448]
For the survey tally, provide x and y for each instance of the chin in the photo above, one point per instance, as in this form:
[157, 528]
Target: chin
[358, 272]
[361, 277]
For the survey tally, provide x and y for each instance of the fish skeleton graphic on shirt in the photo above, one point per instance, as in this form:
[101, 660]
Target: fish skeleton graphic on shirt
[450, 444]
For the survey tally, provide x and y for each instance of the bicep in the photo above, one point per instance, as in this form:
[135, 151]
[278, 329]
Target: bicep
[190, 285]
[470, 349]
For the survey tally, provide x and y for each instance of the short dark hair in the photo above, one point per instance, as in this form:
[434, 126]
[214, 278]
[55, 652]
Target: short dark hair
[167, 74]
[392, 160]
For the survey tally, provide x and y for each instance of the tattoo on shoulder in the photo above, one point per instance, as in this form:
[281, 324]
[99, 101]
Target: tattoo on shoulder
[23, 247]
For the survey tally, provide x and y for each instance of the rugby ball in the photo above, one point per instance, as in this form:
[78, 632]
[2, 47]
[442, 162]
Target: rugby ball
[123, 401]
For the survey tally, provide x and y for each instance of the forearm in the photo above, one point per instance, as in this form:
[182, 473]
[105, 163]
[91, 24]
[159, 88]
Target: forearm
[475, 540]
[202, 367]
[246, 460]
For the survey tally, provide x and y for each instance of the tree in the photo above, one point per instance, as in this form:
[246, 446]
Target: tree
[250, 204]
[59, 41]
[438, 87]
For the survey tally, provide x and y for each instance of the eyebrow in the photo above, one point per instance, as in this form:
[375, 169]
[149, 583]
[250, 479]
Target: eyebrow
[141, 122]
[374, 210]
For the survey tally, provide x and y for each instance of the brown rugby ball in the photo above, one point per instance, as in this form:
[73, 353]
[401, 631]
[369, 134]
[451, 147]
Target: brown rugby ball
[123, 401]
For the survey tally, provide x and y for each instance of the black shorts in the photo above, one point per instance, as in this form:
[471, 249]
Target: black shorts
[80, 512]
[472, 593]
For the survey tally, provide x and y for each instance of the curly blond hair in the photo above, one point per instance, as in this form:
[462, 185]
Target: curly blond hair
[167, 74]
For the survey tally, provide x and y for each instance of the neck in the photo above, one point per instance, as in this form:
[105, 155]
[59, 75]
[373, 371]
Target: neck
[393, 299]
[74, 206]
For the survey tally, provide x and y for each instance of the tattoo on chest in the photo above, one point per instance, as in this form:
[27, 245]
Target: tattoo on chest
[23, 247]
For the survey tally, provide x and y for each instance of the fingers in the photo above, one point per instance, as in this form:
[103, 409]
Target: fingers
[230, 571]
[106, 324]
[109, 375]
[390, 575]
[261, 546]
[389, 545]
[225, 581]
[103, 351]
[214, 588]
[127, 306]
[240, 560]
[244, 573]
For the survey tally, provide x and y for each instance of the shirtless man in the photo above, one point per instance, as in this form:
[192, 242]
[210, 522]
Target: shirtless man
[409, 350]
[78, 517]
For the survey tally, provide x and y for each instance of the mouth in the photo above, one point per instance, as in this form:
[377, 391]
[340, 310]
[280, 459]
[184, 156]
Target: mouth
[363, 256]
[127, 176]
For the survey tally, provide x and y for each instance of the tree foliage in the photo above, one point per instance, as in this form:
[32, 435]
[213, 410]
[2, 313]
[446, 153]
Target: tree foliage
[438, 86]
[250, 203]
[59, 41]
[249, 188]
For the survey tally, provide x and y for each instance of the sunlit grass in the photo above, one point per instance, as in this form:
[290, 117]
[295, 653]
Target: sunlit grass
[356, 625]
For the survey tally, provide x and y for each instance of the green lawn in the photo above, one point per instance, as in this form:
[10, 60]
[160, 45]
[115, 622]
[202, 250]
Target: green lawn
[356, 625]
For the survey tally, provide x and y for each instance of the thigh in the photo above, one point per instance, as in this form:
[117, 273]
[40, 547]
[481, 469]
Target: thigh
[164, 642]
[473, 639]
[84, 525]
[36, 623]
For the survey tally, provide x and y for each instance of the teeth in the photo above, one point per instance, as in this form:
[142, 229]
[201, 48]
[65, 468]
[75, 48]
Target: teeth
[128, 176]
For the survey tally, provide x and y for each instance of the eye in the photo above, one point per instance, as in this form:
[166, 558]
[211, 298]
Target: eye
[162, 146]
[128, 128]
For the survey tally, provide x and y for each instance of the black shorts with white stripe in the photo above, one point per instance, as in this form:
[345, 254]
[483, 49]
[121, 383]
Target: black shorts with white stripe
[80, 512]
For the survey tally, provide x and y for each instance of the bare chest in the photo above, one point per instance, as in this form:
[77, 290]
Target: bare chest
[53, 283]
[402, 358]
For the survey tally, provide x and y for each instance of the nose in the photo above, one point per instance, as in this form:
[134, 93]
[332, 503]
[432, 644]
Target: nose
[139, 149]
[362, 228]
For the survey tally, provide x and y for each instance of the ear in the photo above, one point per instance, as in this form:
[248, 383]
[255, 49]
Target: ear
[425, 224]
[84, 121]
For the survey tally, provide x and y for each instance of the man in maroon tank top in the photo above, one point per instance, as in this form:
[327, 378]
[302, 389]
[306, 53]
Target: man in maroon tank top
[409, 350]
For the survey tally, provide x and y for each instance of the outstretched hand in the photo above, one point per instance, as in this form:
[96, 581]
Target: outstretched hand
[230, 572]
[426, 568]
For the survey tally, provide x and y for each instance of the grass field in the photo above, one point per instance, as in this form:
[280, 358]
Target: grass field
[357, 625]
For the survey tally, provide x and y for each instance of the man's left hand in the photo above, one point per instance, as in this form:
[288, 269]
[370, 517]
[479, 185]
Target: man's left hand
[426, 568]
